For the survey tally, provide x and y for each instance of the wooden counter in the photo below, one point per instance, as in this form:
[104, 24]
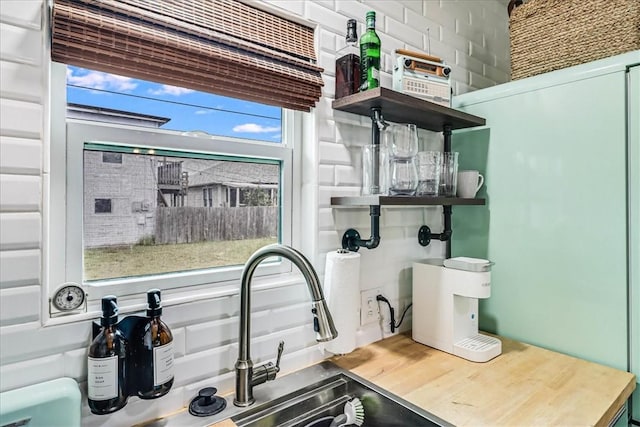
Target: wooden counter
[524, 386]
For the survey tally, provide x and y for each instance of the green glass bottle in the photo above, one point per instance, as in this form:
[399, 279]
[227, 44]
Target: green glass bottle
[370, 55]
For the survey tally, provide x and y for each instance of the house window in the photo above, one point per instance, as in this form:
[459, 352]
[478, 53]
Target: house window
[108, 157]
[177, 230]
[207, 197]
[176, 171]
[102, 206]
[232, 197]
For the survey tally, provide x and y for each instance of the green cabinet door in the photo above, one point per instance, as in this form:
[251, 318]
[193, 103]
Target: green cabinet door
[554, 161]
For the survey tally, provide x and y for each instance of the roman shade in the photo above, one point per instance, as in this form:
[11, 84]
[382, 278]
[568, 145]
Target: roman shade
[225, 47]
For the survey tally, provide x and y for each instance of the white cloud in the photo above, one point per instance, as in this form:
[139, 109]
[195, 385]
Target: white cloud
[100, 80]
[202, 112]
[255, 128]
[170, 90]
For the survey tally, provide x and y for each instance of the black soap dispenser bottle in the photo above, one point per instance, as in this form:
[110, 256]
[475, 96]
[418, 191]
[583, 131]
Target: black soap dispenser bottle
[154, 357]
[107, 362]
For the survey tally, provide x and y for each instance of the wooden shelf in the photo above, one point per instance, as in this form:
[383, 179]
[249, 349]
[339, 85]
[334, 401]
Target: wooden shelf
[354, 201]
[401, 108]
[392, 106]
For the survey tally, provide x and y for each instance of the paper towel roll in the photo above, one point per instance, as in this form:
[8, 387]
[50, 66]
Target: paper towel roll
[342, 291]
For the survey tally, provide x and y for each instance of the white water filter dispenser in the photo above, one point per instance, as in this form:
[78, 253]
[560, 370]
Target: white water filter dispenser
[445, 307]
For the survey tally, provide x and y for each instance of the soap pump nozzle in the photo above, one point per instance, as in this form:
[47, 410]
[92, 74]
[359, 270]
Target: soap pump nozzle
[154, 307]
[109, 311]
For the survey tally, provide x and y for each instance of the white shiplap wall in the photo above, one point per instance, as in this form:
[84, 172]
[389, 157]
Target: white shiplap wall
[470, 35]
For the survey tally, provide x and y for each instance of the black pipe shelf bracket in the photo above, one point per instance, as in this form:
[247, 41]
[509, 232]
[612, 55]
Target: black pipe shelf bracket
[351, 239]
[424, 234]
[403, 108]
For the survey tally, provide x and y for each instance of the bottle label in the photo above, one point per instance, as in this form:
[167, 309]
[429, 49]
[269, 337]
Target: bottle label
[370, 65]
[102, 378]
[162, 364]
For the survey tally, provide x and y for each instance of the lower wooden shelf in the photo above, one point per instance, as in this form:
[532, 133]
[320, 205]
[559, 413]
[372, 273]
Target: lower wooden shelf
[346, 201]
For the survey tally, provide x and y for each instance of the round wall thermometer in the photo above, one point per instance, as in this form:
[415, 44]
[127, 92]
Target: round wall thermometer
[68, 297]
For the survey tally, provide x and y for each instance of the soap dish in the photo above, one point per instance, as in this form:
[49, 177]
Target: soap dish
[207, 403]
[468, 264]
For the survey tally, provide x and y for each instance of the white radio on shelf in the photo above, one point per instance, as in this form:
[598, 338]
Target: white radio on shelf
[423, 76]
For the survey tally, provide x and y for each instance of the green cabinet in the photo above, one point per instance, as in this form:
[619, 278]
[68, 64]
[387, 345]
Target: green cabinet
[561, 160]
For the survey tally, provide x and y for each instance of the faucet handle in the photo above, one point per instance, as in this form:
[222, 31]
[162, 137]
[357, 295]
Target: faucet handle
[280, 350]
[268, 371]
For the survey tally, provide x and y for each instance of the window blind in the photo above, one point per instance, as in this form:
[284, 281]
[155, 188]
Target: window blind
[225, 47]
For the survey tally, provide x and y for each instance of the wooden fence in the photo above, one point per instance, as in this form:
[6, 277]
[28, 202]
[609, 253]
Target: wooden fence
[189, 224]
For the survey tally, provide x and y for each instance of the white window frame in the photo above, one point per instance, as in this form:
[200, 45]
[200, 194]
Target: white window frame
[64, 230]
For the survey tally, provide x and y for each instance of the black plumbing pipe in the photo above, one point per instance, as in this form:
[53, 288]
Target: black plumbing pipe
[351, 239]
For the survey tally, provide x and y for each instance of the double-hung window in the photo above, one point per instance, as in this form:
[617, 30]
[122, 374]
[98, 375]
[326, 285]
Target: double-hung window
[150, 206]
[173, 141]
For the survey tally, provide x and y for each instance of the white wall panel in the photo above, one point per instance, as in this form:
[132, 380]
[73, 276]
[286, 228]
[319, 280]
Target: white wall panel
[204, 364]
[19, 81]
[19, 268]
[178, 341]
[20, 193]
[20, 231]
[481, 53]
[329, 19]
[75, 364]
[399, 30]
[348, 175]
[31, 371]
[22, 12]
[385, 9]
[355, 10]
[20, 156]
[19, 44]
[30, 341]
[20, 119]
[19, 305]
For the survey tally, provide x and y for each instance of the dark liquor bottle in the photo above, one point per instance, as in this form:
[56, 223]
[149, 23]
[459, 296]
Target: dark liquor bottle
[106, 379]
[370, 55]
[348, 64]
[154, 352]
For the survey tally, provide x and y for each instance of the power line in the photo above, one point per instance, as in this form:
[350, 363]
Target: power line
[173, 102]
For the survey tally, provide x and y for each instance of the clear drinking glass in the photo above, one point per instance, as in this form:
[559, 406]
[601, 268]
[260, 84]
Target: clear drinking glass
[375, 180]
[402, 139]
[449, 174]
[429, 165]
[403, 177]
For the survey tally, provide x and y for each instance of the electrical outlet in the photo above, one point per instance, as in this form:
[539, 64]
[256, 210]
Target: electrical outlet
[369, 311]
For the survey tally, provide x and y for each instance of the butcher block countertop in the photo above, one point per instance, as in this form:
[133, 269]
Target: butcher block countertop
[524, 386]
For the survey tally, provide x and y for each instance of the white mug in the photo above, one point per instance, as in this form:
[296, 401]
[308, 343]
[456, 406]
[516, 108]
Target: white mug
[469, 182]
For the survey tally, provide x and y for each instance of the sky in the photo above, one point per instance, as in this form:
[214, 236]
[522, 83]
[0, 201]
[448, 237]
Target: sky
[189, 110]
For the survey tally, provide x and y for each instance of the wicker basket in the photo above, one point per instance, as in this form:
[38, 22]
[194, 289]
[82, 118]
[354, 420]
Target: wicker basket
[548, 35]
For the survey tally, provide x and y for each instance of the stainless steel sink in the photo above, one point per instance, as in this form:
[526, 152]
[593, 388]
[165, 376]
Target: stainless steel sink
[315, 404]
[305, 397]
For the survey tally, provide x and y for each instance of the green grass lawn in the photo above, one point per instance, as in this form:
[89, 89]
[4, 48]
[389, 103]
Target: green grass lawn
[138, 260]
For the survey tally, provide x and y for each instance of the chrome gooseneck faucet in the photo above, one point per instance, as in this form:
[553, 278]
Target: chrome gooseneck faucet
[246, 376]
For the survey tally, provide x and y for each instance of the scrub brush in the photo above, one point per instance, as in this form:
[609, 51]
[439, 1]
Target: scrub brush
[353, 414]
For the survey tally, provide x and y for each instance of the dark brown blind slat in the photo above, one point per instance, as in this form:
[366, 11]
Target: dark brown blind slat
[188, 43]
